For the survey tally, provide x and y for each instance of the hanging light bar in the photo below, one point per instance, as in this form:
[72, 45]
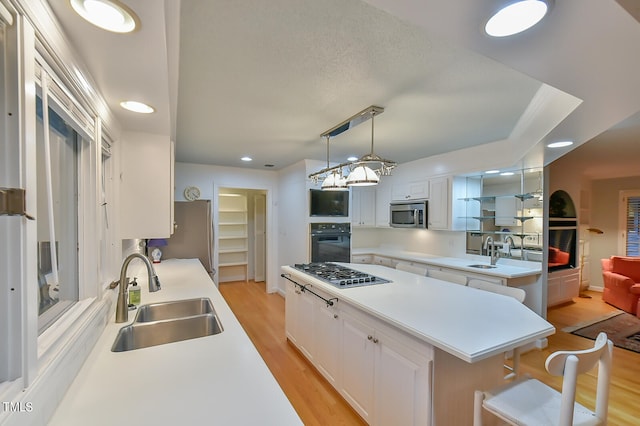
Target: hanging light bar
[364, 171]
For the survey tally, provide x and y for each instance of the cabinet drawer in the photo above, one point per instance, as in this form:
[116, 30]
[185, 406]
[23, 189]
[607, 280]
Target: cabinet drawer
[362, 258]
[384, 261]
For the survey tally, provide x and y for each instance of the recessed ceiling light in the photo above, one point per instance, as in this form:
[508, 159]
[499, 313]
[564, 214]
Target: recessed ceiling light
[110, 15]
[135, 106]
[247, 159]
[516, 17]
[492, 172]
[560, 144]
[352, 158]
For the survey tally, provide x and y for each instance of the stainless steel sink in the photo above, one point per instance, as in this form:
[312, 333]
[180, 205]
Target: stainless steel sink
[480, 266]
[144, 334]
[174, 309]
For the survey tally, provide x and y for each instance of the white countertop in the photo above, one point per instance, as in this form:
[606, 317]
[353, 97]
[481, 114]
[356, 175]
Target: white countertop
[468, 323]
[505, 268]
[218, 379]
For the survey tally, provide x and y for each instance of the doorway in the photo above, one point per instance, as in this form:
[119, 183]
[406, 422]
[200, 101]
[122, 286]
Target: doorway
[241, 234]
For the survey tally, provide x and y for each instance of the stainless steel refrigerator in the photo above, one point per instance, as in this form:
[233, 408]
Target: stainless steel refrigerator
[193, 234]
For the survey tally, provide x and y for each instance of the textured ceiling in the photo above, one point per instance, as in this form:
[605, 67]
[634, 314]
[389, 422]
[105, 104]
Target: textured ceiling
[265, 79]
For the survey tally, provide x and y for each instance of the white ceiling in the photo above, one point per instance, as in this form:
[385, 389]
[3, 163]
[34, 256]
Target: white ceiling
[265, 79]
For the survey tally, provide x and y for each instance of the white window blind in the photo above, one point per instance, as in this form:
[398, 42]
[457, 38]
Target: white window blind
[633, 226]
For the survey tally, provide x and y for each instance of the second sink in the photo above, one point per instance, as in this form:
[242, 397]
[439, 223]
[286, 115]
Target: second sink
[481, 266]
[174, 309]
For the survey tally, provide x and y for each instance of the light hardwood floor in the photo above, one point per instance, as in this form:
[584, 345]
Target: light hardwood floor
[317, 403]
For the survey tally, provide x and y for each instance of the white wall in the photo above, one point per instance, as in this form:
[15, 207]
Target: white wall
[440, 243]
[293, 216]
[604, 204]
[287, 200]
[596, 202]
[209, 178]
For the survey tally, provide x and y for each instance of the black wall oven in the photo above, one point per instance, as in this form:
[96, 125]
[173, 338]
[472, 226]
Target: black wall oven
[330, 242]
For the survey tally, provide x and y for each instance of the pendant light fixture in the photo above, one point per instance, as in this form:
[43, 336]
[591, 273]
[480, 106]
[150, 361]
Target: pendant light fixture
[362, 175]
[364, 171]
[334, 180]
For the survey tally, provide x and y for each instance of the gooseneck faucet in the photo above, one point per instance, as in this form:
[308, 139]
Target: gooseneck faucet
[122, 308]
[492, 250]
[511, 244]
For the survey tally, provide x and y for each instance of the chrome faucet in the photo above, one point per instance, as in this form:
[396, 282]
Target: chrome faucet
[512, 244]
[122, 308]
[492, 250]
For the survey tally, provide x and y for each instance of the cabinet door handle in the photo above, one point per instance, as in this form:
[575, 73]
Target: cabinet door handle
[369, 337]
[335, 316]
[375, 340]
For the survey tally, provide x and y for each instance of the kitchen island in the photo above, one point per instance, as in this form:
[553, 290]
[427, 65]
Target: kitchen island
[413, 349]
[219, 379]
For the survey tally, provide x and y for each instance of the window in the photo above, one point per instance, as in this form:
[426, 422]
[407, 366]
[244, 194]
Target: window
[57, 146]
[632, 224]
[109, 254]
[49, 267]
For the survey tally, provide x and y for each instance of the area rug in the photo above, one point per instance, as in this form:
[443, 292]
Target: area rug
[622, 329]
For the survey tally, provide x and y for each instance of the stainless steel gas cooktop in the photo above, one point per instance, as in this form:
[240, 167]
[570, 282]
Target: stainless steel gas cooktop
[338, 275]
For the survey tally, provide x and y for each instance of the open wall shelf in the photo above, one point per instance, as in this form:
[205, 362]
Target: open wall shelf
[233, 242]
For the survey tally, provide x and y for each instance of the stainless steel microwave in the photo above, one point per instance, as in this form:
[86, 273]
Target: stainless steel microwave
[408, 214]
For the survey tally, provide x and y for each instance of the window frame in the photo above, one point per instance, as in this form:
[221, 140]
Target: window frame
[623, 219]
[65, 105]
[27, 356]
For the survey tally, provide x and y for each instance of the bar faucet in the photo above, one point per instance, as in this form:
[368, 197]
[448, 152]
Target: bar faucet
[492, 251]
[122, 308]
[512, 244]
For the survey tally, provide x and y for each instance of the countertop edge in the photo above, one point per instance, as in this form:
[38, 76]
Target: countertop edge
[501, 270]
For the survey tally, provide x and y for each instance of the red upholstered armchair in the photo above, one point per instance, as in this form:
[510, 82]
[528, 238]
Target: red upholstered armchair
[621, 277]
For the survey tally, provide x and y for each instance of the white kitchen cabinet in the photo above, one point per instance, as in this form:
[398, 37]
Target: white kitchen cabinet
[146, 186]
[383, 199]
[361, 258]
[313, 326]
[562, 286]
[291, 312]
[384, 261]
[416, 190]
[327, 336]
[403, 378]
[357, 360]
[299, 319]
[439, 203]
[386, 381]
[363, 209]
